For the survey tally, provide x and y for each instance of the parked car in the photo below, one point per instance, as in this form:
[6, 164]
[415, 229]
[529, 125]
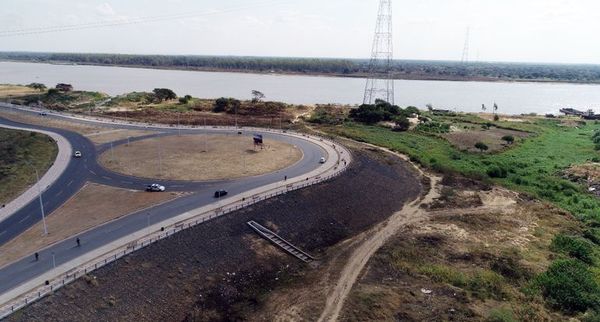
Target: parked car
[77, 154]
[155, 187]
[220, 193]
[42, 113]
[322, 160]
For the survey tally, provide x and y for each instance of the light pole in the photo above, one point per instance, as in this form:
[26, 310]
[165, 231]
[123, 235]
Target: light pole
[37, 177]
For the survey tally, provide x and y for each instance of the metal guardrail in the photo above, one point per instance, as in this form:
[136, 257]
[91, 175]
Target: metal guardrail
[67, 278]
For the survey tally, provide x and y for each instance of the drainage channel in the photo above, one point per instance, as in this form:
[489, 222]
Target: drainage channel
[282, 243]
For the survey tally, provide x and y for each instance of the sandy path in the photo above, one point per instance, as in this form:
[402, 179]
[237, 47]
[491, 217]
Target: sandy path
[379, 235]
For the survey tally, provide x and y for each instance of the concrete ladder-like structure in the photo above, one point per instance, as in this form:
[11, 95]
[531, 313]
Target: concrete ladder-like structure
[277, 240]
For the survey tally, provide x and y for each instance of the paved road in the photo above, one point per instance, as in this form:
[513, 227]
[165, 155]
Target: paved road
[87, 169]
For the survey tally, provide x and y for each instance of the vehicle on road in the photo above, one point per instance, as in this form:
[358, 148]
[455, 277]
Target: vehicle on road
[322, 160]
[155, 187]
[42, 113]
[220, 193]
[77, 154]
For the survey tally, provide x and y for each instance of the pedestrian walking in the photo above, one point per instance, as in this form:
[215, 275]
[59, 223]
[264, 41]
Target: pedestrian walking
[37, 256]
[78, 242]
[285, 178]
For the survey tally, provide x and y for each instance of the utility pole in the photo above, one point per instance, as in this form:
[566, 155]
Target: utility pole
[41, 202]
[380, 82]
[205, 137]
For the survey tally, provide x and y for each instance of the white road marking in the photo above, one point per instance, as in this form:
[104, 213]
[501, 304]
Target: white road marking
[2, 233]
[94, 173]
[107, 178]
[22, 220]
[70, 183]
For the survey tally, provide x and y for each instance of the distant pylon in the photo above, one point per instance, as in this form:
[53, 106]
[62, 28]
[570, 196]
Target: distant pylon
[465, 55]
[380, 82]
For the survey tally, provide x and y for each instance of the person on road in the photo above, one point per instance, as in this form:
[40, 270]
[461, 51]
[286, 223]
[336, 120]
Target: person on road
[37, 256]
[285, 178]
[78, 242]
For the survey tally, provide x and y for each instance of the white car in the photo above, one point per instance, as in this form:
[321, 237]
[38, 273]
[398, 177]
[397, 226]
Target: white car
[155, 187]
[77, 154]
[322, 160]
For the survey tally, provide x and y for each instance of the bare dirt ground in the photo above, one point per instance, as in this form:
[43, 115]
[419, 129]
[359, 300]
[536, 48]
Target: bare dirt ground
[221, 270]
[111, 135]
[183, 157]
[46, 121]
[468, 259]
[93, 205]
[466, 140]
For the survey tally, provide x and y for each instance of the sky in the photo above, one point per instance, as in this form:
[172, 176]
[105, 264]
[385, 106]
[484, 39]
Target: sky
[546, 31]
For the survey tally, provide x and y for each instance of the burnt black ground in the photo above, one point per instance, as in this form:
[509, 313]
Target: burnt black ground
[213, 272]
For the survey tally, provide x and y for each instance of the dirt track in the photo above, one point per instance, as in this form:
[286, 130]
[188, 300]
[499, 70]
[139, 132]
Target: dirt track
[221, 270]
[379, 235]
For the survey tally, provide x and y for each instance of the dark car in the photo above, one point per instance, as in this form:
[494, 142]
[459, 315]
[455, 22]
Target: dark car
[220, 193]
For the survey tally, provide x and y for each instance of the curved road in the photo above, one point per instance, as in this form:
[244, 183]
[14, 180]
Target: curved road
[87, 169]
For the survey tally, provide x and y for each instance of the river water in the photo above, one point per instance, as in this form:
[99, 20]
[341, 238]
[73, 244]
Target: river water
[512, 98]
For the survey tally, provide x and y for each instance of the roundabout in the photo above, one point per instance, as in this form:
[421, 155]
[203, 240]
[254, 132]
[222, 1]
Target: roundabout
[288, 161]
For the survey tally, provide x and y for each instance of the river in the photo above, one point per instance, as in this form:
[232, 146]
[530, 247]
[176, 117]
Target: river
[512, 98]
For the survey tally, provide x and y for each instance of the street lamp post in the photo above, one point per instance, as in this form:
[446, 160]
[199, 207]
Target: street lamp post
[37, 176]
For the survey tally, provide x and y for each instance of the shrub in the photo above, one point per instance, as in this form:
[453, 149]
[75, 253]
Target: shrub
[497, 172]
[509, 139]
[569, 286]
[402, 124]
[574, 247]
[496, 118]
[481, 146]
[501, 315]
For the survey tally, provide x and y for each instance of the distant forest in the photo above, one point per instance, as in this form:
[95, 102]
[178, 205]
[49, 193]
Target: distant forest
[402, 69]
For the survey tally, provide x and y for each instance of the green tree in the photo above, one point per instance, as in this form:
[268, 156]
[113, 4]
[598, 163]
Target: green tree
[39, 86]
[481, 146]
[164, 94]
[257, 96]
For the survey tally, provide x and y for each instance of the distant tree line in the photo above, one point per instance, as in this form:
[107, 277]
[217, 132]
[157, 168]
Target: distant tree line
[411, 69]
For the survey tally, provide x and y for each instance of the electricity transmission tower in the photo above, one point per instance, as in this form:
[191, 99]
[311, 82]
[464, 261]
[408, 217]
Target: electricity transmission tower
[465, 55]
[380, 84]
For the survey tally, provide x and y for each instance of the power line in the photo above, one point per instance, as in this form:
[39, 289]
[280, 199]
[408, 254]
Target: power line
[140, 20]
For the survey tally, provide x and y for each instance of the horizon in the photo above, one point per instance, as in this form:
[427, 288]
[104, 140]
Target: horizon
[306, 57]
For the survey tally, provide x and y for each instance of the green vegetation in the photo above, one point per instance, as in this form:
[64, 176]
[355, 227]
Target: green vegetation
[534, 167]
[570, 286]
[575, 247]
[401, 68]
[20, 153]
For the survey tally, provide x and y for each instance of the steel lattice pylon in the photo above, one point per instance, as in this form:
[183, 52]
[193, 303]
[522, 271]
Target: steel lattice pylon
[380, 84]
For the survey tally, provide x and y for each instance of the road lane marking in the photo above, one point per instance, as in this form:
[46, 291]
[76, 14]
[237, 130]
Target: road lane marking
[177, 186]
[22, 220]
[127, 182]
[107, 178]
[2, 233]
[94, 173]
[70, 183]
[60, 193]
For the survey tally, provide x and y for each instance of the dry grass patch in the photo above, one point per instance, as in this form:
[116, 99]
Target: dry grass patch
[183, 157]
[115, 135]
[92, 206]
[46, 121]
[8, 91]
[466, 140]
